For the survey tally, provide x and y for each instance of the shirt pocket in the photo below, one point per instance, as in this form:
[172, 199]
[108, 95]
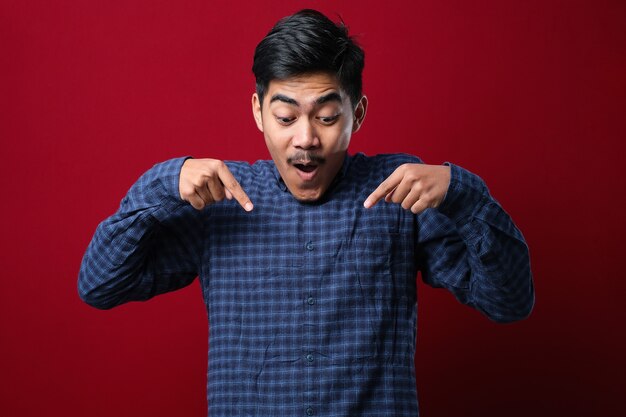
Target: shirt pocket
[374, 252]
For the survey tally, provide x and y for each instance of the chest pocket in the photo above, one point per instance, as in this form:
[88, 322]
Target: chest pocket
[376, 259]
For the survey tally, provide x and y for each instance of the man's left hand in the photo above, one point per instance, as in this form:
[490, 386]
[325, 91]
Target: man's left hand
[415, 187]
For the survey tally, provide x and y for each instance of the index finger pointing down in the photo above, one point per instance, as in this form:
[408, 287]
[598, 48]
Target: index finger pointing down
[232, 185]
[383, 189]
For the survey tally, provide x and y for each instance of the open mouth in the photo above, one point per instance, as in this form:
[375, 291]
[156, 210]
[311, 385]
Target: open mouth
[306, 171]
[306, 165]
[308, 168]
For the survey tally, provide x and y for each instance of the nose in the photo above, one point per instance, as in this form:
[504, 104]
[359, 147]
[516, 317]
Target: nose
[305, 137]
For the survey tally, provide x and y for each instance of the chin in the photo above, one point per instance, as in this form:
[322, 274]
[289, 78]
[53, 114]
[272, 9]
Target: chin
[307, 196]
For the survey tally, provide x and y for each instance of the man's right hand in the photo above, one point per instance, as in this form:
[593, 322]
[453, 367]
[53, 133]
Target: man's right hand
[206, 181]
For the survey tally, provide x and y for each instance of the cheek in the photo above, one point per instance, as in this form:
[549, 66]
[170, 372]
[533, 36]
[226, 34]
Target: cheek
[342, 136]
[277, 141]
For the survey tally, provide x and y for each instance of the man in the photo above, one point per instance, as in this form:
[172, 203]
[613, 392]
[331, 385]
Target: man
[308, 262]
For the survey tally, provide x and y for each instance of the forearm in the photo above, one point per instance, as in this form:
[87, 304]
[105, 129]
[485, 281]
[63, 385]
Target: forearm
[487, 263]
[499, 276]
[141, 250]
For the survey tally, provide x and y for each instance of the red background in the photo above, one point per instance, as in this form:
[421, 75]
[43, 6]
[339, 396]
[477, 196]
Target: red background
[530, 95]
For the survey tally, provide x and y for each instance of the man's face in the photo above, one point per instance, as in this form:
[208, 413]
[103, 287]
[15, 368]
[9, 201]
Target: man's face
[307, 122]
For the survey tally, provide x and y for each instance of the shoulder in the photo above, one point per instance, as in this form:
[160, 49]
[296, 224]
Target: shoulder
[381, 164]
[254, 178]
[243, 169]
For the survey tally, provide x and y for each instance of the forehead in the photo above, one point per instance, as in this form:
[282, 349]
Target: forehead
[305, 89]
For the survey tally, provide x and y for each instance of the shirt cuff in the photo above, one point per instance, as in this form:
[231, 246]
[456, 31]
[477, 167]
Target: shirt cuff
[466, 194]
[167, 175]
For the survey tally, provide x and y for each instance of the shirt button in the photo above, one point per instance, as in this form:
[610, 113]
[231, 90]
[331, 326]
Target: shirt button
[310, 300]
[309, 357]
[309, 245]
[309, 411]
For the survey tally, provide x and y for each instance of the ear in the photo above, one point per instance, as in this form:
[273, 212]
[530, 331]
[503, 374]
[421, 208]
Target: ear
[359, 114]
[256, 111]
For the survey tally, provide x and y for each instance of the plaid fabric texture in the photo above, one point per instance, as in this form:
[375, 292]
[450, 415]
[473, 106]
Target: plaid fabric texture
[312, 307]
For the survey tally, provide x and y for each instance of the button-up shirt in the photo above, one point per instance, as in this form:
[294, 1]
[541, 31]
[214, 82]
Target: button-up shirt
[311, 306]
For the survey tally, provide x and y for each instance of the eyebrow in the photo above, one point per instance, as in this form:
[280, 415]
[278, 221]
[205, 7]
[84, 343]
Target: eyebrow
[334, 96]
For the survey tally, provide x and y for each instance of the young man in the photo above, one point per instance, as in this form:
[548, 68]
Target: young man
[308, 262]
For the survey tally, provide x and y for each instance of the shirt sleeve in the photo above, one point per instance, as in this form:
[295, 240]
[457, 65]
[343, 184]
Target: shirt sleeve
[470, 246]
[148, 247]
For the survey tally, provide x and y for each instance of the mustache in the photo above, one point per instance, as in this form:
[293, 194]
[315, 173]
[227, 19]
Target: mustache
[305, 157]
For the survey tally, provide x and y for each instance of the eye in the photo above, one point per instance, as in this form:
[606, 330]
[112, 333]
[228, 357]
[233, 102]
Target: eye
[328, 120]
[285, 121]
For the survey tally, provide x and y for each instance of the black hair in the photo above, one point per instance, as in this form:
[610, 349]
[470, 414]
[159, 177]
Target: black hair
[308, 42]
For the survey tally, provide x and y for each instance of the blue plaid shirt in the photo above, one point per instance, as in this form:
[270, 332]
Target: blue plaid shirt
[312, 306]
